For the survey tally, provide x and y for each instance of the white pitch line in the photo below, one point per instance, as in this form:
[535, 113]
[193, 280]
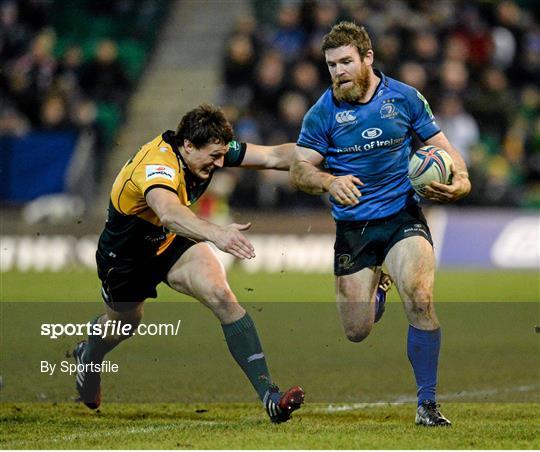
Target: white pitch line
[118, 431]
[400, 400]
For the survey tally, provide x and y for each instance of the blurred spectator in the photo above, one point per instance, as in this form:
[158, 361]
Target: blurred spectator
[292, 108]
[69, 70]
[458, 125]
[32, 75]
[54, 115]
[319, 17]
[475, 34]
[305, 79]
[84, 118]
[492, 104]
[269, 83]
[104, 78]
[414, 74]
[239, 71]
[529, 70]
[288, 37]
[387, 52]
[12, 122]
[508, 38]
[454, 77]
[239, 63]
[456, 49]
[426, 53]
[13, 34]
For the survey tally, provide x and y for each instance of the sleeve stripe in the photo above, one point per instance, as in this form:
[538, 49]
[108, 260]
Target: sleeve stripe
[233, 158]
[243, 147]
[431, 136]
[166, 187]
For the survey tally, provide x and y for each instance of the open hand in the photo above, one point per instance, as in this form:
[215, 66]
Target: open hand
[230, 240]
[344, 189]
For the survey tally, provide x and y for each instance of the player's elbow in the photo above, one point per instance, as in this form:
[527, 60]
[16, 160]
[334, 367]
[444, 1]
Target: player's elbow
[167, 219]
[282, 156]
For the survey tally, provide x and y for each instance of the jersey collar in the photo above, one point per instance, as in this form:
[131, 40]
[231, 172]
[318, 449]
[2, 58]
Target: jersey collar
[170, 139]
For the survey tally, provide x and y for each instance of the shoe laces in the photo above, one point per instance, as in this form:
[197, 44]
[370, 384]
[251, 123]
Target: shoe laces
[432, 408]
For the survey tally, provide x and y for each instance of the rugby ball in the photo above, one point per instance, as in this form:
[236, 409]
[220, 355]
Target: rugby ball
[429, 164]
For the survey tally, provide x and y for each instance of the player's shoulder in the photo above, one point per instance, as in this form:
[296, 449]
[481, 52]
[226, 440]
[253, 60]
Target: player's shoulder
[159, 150]
[400, 87]
[324, 106]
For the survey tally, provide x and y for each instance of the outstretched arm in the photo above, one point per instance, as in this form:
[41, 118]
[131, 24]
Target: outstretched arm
[181, 220]
[307, 176]
[277, 157]
[461, 185]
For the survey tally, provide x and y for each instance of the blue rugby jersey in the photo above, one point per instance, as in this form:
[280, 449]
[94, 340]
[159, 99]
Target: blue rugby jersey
[371, 141]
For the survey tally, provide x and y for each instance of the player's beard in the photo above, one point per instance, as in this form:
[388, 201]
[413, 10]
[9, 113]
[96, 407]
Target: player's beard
[357, 91]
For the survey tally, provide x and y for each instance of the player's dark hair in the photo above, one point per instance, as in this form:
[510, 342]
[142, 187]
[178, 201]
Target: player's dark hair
[347, 33]
[203, 125]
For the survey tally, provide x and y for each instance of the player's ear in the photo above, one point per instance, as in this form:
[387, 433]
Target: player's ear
[188, 145]
[368, 58]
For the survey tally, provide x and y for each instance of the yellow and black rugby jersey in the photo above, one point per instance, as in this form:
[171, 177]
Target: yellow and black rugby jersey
[132, 229]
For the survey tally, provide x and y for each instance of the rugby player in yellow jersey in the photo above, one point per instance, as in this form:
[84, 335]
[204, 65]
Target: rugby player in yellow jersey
[151, 236]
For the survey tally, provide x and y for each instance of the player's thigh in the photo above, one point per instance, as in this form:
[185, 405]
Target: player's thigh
[411, 264]
[355, 296]
[200, 274]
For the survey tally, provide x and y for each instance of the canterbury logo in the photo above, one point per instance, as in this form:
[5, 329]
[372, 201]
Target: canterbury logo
[345, 116]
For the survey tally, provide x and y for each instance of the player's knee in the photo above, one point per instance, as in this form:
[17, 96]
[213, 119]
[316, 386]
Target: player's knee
[221, 299]
[357, 333]
[421, 294]
[348, 290]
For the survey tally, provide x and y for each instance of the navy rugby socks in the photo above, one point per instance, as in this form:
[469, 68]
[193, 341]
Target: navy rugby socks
[423, 352]
[245, 347]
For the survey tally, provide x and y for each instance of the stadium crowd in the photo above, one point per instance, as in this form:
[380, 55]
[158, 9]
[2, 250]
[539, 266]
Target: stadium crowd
[477, 63]
[62, 67]
[66, 66]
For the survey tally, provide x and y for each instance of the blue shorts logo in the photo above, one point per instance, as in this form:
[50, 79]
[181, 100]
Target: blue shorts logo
[369, 134]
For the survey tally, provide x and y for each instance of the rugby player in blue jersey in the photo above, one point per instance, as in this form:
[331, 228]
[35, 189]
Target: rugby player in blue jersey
[355, 144]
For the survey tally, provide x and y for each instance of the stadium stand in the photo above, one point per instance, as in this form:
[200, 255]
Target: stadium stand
[477, 62]
[69, 68]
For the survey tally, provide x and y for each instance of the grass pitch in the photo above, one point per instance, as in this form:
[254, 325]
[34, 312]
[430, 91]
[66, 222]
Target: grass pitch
[450, 285]
[240, 426]
[190, 393]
